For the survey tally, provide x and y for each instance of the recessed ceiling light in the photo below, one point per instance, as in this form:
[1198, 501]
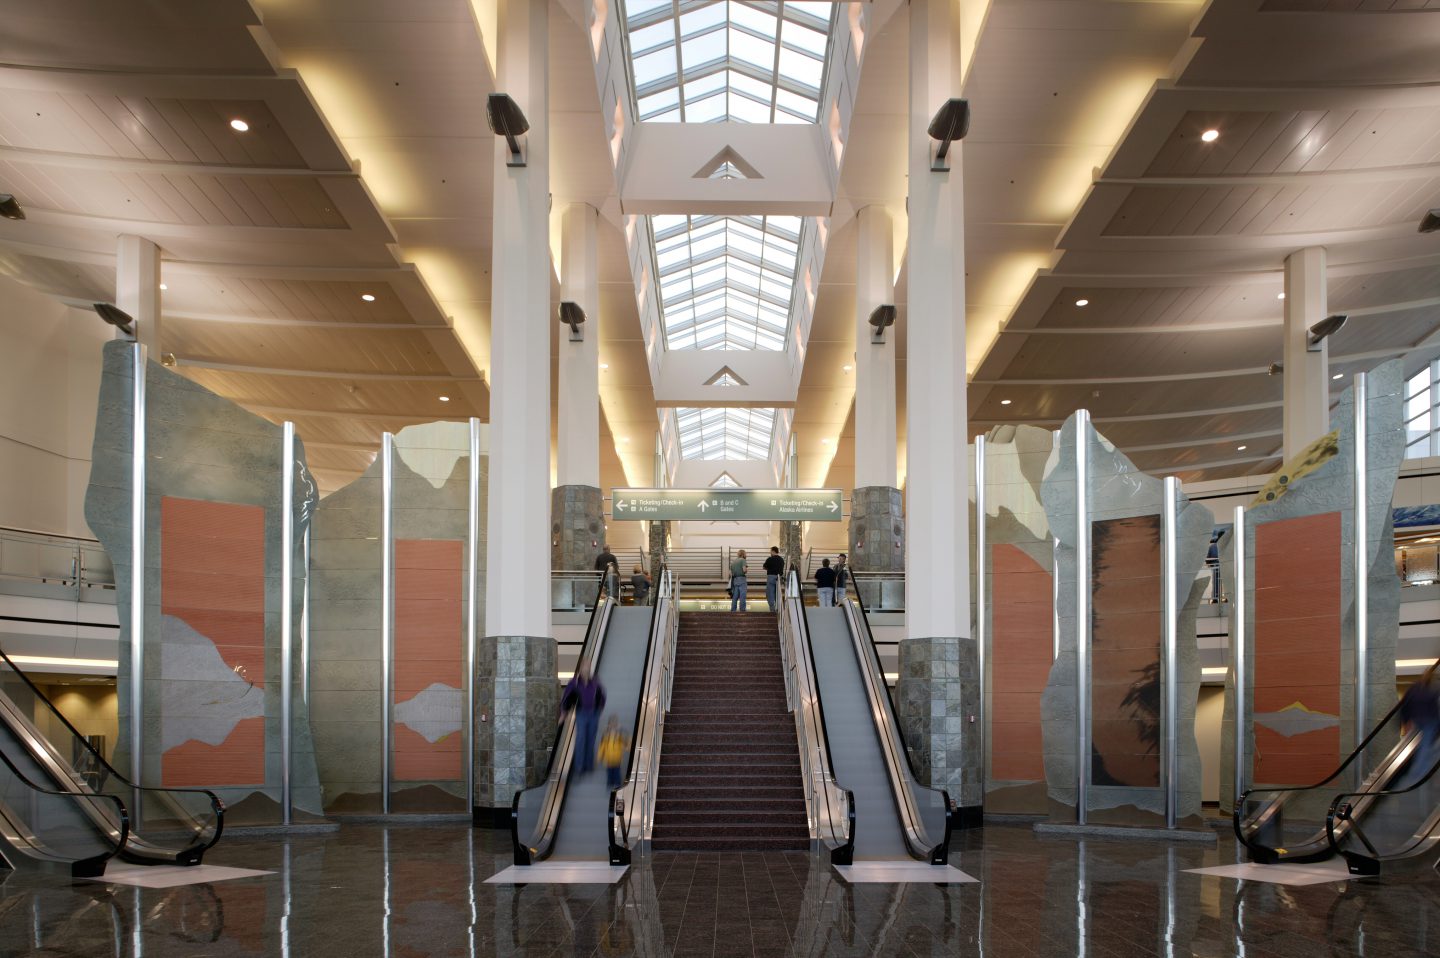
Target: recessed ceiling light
[1338, 376]
[847, 367]
[368, 297]
[624, 438]
[824, 442]
[239, 125]
[1210, 136]
[604, 365]
[163, 286]
[444, 398]
[1082, 302]
[1005, 402]
[1240, 448]
[1281, 296]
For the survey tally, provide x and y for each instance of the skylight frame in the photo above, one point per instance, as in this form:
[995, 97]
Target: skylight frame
[729, 433]
[776, 75]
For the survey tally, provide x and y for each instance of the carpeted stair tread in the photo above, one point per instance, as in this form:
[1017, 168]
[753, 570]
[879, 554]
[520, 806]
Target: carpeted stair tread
[730, 774]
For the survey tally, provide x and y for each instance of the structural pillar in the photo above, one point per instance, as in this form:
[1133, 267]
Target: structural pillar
[877, 511]
[1306, 373]
[577, 521]
[137, 288]
[939, 686]
[515, 662]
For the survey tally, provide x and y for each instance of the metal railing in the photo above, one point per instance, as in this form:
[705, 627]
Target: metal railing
[46, 565]
[829, 808]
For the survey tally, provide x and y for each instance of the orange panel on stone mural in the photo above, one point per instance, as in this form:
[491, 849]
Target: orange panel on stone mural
[1296, 689]
[429, 664]
[1022, 646]
[1125, 622]
[212, 578]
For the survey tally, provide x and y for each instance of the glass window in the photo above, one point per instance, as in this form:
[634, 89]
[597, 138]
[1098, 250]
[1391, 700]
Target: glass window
[725, 433]
[758, 48]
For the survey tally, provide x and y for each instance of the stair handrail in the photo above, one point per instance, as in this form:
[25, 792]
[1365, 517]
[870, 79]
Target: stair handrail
[1343, 812]
[557, 770]
[94, 866]
[904, 778]
[631, 805]
[190, 855]
[829, 806]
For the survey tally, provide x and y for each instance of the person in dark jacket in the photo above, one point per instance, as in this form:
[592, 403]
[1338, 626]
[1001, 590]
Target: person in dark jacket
[640, 586]
[1420, 713]
[774, 569]
[586, 696]
[825, 583]
[607, 563]
[842, 578]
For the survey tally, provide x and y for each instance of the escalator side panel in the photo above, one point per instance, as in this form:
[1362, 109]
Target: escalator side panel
[855, 745]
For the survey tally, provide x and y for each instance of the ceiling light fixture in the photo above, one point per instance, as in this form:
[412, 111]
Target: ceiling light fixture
[604, 365]
[1338, 376]
[163, 286]
[1281, 296]
[1210, 136]
[10, 207]
[1005, 402]
[1241, 448]
[824, 442]
[368, 297]
[239, 125]
[444, 398]
[847, 367]
[1082, 302]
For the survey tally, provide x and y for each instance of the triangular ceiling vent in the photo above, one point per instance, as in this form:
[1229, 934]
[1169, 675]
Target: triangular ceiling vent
[727, 165]
[725, 376]
[724, 481]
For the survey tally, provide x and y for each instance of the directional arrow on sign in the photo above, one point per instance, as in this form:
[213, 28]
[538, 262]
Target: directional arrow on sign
[831, 506]
[703, 506]
[619, 505]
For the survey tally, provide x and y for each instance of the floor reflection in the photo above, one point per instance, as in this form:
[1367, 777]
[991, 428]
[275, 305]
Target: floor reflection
[413, 891]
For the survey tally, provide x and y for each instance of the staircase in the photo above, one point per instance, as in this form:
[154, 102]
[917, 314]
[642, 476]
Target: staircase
[730, 769]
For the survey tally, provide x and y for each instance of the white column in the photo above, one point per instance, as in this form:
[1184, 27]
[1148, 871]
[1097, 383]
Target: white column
[578, 449]
[137, 287]
[1307, 374]
[875, 442]
[937, 554]
[518, 571]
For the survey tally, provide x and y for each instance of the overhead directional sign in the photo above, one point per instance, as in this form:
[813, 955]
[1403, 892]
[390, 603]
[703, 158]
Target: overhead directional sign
[766, 505]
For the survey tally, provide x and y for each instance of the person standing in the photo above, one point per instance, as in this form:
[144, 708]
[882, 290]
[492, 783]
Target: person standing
[1420, 713]
[738, 584]
[825, 583]
[586, 696]
[842, 578]
[774, 569]
[640, 586]
[612, 753]
[607, 563]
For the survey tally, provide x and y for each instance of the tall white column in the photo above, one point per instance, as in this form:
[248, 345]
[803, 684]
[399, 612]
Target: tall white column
[1307, 374]
[137, 287]
[518, 548]
[875, 441]
[578, 451]
[937, 554]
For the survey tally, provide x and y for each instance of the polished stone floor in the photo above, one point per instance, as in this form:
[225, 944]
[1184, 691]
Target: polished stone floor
[412, 891]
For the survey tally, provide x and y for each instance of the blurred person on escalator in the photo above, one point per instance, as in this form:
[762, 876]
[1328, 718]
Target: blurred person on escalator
[1420, 713]
[607, 563]
[586, 696]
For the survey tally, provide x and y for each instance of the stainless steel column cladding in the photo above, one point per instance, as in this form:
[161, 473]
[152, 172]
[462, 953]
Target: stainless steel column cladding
[1082, 616]
[1170, 606]
[387, 608]
[1362, 574]
[982, 625]
[1239, 672]
[472, 587]
[137, 576]
[287, 600]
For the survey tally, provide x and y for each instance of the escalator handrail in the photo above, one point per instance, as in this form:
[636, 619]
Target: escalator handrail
[844, 853]
[216, 805]
[903, 775]
[1370, 796]
[122, 816]
[653, 647]
[1281, 792]
[557, 776]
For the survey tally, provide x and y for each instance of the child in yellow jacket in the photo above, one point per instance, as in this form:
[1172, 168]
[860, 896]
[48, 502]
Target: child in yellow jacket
[611, 752]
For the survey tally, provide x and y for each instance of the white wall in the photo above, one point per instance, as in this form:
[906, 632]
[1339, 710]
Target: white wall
[49, 381]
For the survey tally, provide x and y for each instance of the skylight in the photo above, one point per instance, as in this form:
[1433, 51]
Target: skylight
[725, 433]
[745, 61]
[726, 281]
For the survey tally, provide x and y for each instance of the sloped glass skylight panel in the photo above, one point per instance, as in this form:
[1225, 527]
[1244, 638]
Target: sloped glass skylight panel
[725, 433]
[726, 281]
[746, 62]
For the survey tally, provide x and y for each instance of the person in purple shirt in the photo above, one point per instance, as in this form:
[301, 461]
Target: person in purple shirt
[586, 696]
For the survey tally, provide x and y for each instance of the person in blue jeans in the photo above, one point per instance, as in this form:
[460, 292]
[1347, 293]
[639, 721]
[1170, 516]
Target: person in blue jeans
[738, 583]
[586, 696]
[825, 583]
[774, 569]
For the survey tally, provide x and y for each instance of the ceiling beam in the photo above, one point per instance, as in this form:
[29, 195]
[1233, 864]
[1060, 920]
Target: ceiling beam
[290, 412]
[323, 374]
[123, 164]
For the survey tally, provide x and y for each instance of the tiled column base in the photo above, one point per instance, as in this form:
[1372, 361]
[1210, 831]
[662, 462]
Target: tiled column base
[659, 539]
[577, 526]
[877, 543]
[938, 698]
[790, 545]
[517, 699]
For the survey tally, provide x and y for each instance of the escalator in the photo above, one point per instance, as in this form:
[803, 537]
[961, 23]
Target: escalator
[1393, 813]
[567, 816]
[77, 810]
[895, 816]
